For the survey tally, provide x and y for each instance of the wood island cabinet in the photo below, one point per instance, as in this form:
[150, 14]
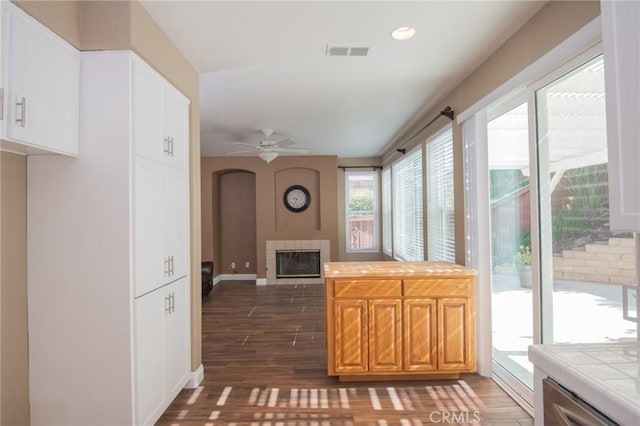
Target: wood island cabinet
[399, 320]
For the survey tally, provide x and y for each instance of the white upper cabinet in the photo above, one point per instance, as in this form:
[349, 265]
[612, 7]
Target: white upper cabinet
[621, 40]
[148, 113]
[41, 83]
[177, 128]
[161, 118]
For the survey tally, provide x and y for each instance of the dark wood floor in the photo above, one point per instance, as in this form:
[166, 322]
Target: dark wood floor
[264, 356]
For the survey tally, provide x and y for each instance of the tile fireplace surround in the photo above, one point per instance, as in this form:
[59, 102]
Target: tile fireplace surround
[273, 245]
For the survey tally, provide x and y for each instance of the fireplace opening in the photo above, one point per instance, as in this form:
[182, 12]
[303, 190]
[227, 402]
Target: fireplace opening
[297, 263]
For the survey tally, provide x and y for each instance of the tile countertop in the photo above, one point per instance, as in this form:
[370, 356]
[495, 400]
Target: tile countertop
[606, 375]
[395, 269]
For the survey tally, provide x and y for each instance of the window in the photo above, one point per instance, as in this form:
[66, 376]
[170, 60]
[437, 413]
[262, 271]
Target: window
[362, 211]
[440, 220]
[387, 225]
[408, 230]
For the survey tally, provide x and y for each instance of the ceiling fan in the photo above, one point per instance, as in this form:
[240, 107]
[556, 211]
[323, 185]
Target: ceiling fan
[268, 149]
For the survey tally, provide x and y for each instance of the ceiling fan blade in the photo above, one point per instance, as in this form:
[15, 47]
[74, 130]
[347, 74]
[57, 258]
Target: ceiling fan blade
[283, 143]
[246, 144]
[249, 151]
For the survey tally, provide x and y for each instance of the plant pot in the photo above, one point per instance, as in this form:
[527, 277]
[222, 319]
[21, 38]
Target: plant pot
[524, 274]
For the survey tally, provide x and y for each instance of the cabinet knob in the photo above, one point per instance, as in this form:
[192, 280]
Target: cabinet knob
[167, 145]
[167, 266]
[23, 116]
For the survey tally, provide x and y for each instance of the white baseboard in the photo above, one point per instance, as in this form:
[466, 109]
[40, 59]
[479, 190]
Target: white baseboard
[217, 279]
[237, 277]
[195, 378]
[261, 281]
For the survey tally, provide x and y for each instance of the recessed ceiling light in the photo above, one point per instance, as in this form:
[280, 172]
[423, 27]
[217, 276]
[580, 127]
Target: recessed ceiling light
[403, 33]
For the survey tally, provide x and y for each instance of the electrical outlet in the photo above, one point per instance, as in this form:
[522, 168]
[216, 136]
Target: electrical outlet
[233, 265]
[247, 265]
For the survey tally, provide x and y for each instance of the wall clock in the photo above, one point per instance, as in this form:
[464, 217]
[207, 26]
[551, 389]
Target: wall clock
[297, 198]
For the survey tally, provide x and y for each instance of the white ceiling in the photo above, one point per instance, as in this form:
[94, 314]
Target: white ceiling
[263, 64]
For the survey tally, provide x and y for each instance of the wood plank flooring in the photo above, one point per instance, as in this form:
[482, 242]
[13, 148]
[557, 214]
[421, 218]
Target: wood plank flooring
[265, 364]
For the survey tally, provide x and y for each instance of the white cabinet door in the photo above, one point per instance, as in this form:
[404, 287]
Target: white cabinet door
[177, 339]
[621, 40]
[175, 222]
[43, 92]
[161, 348]
[151, 265]
[177, 128]
[148, 113]
[150, 311]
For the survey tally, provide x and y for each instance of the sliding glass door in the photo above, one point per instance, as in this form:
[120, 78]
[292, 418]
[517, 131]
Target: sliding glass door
[584, 266]
[511, 274]
[558, 273]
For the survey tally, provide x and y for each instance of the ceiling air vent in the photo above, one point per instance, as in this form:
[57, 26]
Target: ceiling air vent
[358, 51]
[346, 51]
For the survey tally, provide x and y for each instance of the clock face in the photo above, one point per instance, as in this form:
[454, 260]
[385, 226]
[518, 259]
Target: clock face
[297, 198]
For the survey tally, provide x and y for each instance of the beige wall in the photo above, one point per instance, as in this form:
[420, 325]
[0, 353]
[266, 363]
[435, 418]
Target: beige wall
[14, 379]
[61, 17]
[308, 220]
[551, 25]
[271, 180]
[106, 25]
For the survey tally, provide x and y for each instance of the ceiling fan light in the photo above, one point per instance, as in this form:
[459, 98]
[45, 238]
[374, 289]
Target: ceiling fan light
[268, 156]
[403, 33]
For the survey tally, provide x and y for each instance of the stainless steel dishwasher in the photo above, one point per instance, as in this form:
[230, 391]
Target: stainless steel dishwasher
[564, 408]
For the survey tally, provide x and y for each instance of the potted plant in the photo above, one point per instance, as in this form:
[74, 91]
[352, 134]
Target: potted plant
[522, 259]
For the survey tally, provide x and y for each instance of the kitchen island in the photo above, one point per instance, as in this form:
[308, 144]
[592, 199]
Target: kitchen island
[399, 320]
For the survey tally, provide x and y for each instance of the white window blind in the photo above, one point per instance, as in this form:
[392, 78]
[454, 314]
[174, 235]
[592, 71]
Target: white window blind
[408, 240]
[441, 243]
[362, 211]
[387, 234]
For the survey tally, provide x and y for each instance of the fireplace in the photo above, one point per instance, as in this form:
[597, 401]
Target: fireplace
[298, 263]
[274, 246]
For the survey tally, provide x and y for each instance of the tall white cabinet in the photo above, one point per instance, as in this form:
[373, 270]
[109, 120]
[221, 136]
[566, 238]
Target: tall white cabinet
[109, 324]
[161, 140]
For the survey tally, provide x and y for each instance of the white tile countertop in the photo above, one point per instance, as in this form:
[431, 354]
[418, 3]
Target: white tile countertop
[605, 375]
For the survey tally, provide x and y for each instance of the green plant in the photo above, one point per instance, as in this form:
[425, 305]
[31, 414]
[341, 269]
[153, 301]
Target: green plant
[525, 238]
[361, 203]
[523, 256]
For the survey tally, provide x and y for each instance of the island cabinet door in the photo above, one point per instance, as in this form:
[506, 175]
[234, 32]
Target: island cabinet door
[454, 351]
[385, 335]
[351, 342]
[420, 345]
